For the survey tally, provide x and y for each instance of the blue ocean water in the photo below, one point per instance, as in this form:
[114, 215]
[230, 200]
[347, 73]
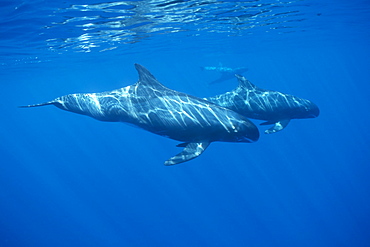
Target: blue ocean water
[69, 180]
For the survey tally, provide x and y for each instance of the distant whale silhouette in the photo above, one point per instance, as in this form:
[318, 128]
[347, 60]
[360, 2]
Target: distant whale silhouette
[226, 72]
[274, 107]
[153, 107]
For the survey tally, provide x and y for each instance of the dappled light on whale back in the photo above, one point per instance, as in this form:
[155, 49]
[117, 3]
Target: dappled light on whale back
[153, 107]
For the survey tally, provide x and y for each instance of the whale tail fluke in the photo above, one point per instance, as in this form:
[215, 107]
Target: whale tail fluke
[37, 105]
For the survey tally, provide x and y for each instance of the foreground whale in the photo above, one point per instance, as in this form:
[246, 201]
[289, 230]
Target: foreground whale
[151, 106]
[274, 107]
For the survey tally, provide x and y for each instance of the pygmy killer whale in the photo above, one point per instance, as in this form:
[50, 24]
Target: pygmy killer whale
[151, 106]
[275, 107]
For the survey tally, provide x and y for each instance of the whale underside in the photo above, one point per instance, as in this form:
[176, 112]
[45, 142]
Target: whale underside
[274, 107]
[153, 107]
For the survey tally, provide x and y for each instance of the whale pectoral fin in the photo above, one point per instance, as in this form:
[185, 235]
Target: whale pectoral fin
[191, 151]
[278, 126]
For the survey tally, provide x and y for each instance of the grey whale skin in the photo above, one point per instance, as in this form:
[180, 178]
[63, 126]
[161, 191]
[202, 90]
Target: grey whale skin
[153, 107]
[273, 106]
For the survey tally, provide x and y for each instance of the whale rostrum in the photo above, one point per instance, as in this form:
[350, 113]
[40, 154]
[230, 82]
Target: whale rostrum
[153, 107]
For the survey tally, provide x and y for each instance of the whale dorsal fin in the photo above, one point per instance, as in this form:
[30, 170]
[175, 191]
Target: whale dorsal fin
[146, 78]
[243, 82]
[191, 151]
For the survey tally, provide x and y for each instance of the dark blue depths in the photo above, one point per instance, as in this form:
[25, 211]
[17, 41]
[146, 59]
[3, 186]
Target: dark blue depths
[68, 180]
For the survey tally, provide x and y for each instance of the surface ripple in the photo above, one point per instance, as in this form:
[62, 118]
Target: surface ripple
[107, 25]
